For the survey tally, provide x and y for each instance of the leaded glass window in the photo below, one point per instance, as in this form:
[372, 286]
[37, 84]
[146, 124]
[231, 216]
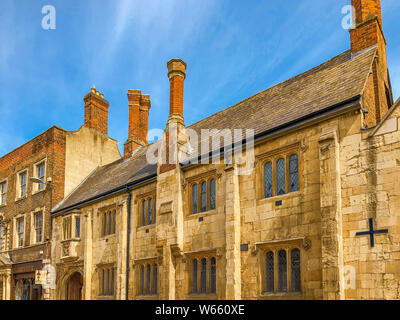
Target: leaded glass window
[203, 275]
[194, 198]
[203, 197]
[213, 275]
[280, 177]
[108, 282]
[103, 278]
[109, 222]
[141, 286]
[269, 285]
[294, 173]
[295, 261]
[104, 223]
[143, 212]
[268, 180]
[282, 273]
[114, 220]
[155, 279]
[194, 276]
[150, 215]
[212, 194]
[148, 279]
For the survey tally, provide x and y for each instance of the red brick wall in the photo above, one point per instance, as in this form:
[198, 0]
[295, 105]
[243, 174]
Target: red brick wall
[49, 145]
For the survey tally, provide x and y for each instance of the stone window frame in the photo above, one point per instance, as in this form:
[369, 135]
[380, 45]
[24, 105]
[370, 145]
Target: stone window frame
[199, 179]
[139, 201]
[36, 186]
[102, 270]
[16, 232]
[189, 257]
[72, 226]
[275, 246]
[3, 182]
[273, 156]
[18, 195]
[141, 292]
[105, 231]
[33, 226]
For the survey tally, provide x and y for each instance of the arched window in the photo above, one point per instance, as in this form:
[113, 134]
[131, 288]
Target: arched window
[268, 180]
[203, 275]
[295, 261]
[194, 276]
[212, 194]
[269, 272]
[213, 275]
[194, 198]
[150, 208]
[280, 177]
[148, 278]
[203, 197]
[294, 173]
[155, 279]
[141, 287]
[282, 273]
[143, 212]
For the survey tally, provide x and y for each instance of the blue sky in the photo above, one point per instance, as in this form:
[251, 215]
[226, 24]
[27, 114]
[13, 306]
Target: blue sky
[233, 49]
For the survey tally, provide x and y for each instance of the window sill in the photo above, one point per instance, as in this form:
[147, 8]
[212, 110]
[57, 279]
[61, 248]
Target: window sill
[21, 198]
[199, 296]
[38, 191]
[105, 297]
[108, 236]
[71, 240]
[281, 296]
[281, 197]
[201, 214]
[3, 205]
[145, 297]
[150, 226]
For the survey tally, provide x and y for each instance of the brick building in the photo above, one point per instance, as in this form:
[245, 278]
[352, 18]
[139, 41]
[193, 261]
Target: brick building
[317, 218]
[33, 178]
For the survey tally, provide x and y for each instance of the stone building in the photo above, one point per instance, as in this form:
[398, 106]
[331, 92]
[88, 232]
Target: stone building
[315, 214]
[33, 178]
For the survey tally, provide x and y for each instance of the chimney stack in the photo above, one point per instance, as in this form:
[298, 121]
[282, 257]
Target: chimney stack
[176, 75]
[139, 106]
[96, 111]
[368, 30]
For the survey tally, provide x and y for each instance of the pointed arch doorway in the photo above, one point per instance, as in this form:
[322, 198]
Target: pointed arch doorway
[74, 287]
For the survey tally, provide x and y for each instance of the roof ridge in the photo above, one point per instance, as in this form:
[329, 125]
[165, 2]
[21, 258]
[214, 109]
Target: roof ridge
[307, 72]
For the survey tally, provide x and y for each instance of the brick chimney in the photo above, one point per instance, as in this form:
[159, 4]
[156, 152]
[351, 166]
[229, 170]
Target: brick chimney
[175, 131]
[176, 75]
[96, 111]
[368, 32]
[139, 106]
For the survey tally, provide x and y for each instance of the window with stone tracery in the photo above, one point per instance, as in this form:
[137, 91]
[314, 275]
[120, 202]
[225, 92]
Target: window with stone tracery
[280, 175]
[203, 195]
[282, 271]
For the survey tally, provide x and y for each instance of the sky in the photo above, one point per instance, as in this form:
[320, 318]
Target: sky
[233, 50]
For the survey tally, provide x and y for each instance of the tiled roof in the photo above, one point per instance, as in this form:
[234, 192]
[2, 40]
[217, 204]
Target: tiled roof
[331, 83]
